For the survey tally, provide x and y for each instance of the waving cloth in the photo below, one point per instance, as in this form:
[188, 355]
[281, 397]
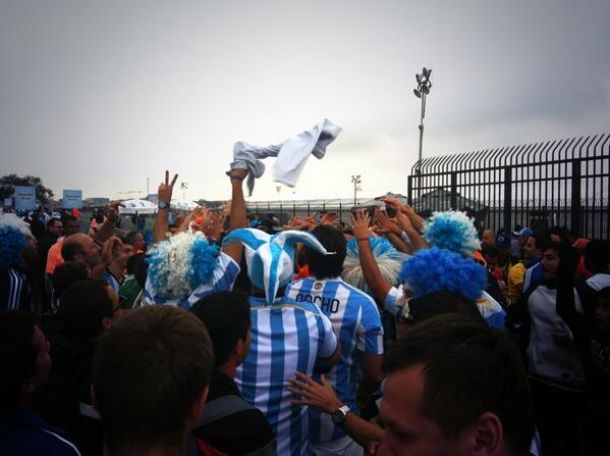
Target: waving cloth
[270, 259]
[291, 155]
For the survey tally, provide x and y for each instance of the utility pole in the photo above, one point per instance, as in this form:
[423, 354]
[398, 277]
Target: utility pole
[356, 180]
[423, 88]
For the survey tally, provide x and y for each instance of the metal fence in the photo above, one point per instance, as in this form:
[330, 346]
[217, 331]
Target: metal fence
[286, 210]
[555, 183]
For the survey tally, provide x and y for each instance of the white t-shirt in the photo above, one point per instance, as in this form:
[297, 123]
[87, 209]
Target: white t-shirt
[547, 360]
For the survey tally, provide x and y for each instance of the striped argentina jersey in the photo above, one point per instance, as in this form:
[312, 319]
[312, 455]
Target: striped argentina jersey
[286, 337]
[490, 309]
[222, 279]
[111, 280]
[14, 290]
[356, 321]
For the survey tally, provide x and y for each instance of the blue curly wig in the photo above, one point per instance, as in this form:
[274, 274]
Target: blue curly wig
[452, 230]
[178, 265]
[434, 269]
[13, 232]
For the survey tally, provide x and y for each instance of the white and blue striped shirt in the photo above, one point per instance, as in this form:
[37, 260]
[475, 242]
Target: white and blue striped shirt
[108, 277]
[356, 320]
[286, 337]
[223, 279]
[490, 309]
[14, 290]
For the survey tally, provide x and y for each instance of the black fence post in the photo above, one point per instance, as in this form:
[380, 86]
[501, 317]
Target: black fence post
[454, 191]
[410, 190]
[575, 214]
[508, 199]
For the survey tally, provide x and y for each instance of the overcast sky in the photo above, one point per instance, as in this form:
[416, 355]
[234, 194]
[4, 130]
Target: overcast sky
[101, 95]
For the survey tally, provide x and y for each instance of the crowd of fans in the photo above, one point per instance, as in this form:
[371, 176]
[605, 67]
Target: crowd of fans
[230, 334]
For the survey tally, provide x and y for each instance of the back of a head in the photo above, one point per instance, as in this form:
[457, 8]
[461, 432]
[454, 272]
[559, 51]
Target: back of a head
[17, 355]
[327, 266]
[67, 274]
[149, 370]
[83, 307]
[442, 302]
[72, 246]
[597, 255]
[469, 369]
[226, 316]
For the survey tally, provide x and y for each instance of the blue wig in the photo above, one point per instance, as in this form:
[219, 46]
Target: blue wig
[180, 264]
[452, 230]
[387, 257]
[434, 269]
[13, 232]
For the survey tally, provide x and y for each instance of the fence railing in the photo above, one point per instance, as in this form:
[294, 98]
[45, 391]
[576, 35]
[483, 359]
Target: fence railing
[555, 183]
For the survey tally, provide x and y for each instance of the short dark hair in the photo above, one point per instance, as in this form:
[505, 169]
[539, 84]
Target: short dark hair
[83, 306]
[130, 238]
[17, 354]
[70, 248]
[226, 316]
[441, 302]
[149, 369]
[468, 369]
[597, 255]
[327, 266]
[541, 239]
[67, 274]
[52, 221]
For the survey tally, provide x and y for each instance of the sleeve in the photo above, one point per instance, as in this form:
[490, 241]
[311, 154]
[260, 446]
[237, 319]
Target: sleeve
[391, 299]
[223, 278]
[370, 337]
[516, 274]
[328, 340]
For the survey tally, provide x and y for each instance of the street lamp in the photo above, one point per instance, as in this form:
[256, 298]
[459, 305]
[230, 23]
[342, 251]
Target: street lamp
[184, 187]
[423, 88]
[356, 180]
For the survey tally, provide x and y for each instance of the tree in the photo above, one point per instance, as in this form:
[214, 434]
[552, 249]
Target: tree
[44, 195]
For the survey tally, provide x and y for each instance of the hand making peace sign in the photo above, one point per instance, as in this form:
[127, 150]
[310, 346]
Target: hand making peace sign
[164, 192]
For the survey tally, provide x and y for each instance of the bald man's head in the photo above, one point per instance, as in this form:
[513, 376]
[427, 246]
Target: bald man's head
[80, 247]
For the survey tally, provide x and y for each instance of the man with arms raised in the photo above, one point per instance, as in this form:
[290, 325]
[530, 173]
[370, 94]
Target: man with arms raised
[357, 323]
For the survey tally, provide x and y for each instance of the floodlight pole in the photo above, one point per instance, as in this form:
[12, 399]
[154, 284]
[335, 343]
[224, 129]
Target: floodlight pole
[421, 131]
[423, 89]
[356, 180]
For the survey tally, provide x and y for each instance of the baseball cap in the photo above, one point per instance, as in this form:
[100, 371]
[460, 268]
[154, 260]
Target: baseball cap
[525, 231]
[502, 240]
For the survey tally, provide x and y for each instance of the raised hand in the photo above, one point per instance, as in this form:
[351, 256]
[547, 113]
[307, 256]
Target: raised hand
[330, 218]
[215, 225]
[166, 189]
[360, 224]
[386, 225]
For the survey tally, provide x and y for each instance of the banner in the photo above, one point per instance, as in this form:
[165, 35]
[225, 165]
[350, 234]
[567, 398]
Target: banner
[25, 198]
[72, 199]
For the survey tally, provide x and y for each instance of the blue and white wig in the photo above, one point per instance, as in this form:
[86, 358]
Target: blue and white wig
[387, 257]
[270, 258]
[452, 230]
[435, 269]
[179, 265]
[13, 238]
